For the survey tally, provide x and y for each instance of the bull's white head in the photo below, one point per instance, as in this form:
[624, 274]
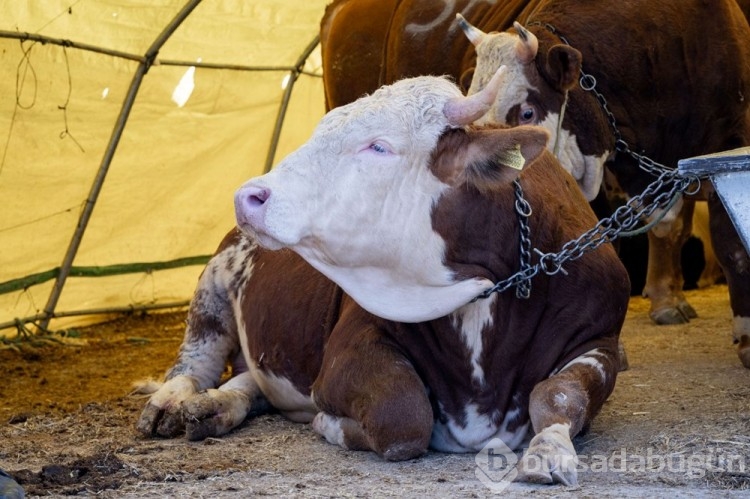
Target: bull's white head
[534, 92]
[356, 200]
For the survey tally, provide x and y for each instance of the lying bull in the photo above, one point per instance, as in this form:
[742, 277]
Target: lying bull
[675, 77]
[409, 211]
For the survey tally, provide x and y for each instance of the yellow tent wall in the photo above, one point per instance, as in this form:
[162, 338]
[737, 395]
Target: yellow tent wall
[167, 194]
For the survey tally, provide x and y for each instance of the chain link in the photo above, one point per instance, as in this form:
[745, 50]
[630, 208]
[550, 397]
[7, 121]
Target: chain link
[523, 211]
[664, 191]
[588, 83]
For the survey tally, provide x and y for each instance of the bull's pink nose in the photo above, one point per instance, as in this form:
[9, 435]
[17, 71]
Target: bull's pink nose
[256, 196]
[251, 197]
[249, 201]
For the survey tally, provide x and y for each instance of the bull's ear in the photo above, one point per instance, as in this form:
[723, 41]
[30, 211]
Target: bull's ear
[563, 66]
[496, 156]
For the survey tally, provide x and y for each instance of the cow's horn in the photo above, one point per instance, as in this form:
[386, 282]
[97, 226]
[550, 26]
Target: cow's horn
[475, 35]
[465, 110]
[527, 44]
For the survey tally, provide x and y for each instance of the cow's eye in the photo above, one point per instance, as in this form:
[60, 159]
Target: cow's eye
[526, 115]
[379, 148]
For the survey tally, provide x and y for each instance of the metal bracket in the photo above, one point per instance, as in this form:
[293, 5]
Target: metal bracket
[729, 171]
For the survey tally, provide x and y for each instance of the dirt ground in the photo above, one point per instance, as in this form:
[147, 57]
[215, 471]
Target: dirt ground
[677, 425]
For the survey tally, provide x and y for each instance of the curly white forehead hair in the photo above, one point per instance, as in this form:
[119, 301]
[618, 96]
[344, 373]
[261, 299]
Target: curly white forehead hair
[413, 105]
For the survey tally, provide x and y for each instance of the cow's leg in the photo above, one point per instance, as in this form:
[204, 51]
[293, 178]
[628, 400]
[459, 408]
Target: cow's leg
[712, 273]
[734, 260]
[560, 407]
[210, 342]
[214, 412]
[371, 398]
[664, 280]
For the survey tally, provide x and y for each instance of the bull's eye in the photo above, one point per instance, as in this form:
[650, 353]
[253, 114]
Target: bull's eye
[379, 148]
[526, 115]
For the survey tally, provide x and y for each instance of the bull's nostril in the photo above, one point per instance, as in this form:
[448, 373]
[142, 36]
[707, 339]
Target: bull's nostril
[256, 197]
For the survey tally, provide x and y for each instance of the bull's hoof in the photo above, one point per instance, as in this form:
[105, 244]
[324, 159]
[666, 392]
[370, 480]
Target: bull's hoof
[159, 422]
[199, 429]
[535, 476]
[549, 459]
[622, 357]
[146, 424]
[171, 423]
[687, 310]
[201, 415]
[667, 316]
[743, 351]
[546, 470]
[214, 413]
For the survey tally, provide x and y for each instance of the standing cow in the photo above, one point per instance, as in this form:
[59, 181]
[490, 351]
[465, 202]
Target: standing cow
[369, 43]
[352, 34]
[411, 213]
[421, 38]
[675, 76]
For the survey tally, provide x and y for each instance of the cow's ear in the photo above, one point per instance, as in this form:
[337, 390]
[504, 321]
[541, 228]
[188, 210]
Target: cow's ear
[563, 66]
[496, 156]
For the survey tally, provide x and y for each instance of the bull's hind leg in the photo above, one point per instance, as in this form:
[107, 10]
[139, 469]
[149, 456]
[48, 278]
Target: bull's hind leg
[371, 398]
[560, 407]
[664, 279]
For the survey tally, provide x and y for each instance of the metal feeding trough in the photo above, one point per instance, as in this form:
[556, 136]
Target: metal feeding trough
[729, 171]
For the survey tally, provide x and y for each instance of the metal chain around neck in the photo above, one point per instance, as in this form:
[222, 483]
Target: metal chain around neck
[523, 212]
[588, 84]
[664, 193]
[521, 280]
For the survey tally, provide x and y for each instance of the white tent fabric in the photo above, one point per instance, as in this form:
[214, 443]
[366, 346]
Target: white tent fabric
[167, 194]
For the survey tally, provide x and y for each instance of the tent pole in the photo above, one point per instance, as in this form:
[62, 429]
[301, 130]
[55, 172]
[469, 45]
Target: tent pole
[128, 309]
[293, 75]
[35, 37]
[83, 220]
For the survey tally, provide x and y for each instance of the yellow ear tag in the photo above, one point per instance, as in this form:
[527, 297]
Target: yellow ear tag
[513, 158]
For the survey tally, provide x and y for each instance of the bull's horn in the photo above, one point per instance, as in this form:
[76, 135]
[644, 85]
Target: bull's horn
[527, 44]
[475, 35]
[465, 110]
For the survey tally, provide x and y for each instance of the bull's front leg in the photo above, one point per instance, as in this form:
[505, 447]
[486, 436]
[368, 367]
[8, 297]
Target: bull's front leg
[216, 411]
[664, 279]
[203, 356]
[210, 343]
[735, 261]
[560, 407]
[371, 398]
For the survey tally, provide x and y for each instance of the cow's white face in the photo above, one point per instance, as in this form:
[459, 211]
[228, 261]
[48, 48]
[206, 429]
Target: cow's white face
[356, 202]
[527, 98]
